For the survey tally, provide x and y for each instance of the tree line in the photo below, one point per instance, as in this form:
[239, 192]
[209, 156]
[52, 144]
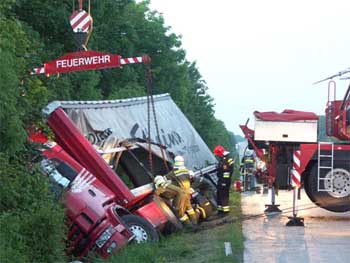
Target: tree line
[35, 31]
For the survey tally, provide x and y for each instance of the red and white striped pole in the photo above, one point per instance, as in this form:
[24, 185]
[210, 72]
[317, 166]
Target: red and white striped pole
[296, 183]
[296, 180]
[135, 60]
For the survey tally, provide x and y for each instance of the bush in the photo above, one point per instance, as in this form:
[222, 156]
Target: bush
[31, 222]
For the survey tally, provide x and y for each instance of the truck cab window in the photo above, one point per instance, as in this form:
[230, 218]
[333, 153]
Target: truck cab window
[60, 175]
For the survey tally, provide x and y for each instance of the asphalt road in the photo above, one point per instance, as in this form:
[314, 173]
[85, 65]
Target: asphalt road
[325, 237]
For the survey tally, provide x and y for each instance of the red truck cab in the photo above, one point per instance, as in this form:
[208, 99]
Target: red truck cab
[141, 201]
[92, 219]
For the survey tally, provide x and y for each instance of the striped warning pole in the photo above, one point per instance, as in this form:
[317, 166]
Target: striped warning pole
[135, 60]
[296, 183]
[296, 179]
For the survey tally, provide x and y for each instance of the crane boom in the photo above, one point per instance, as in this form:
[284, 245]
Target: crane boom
[339, 74]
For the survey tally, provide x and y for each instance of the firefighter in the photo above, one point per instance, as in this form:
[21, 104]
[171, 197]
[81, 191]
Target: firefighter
[176, 186]
[225, 170]
[247, 172]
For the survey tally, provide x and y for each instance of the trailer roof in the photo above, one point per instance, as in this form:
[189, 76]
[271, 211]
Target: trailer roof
[127, 118]
[98, 104]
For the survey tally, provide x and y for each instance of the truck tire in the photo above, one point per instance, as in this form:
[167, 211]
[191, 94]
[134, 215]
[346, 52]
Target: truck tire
[141, 228]
[337, 200]
[174, 223]
[308, 188]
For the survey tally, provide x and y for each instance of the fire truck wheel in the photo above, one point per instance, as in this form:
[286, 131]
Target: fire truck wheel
[307, 188]
[337, 184]
[141, 228]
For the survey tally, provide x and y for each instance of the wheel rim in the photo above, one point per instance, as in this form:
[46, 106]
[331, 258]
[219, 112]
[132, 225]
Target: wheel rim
[139, 233]
[337, 183]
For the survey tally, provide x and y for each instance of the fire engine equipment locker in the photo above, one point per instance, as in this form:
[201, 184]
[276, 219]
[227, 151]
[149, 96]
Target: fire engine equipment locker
[288, 126]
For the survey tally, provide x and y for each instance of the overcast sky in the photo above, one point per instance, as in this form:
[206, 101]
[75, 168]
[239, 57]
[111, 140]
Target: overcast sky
[263, 54]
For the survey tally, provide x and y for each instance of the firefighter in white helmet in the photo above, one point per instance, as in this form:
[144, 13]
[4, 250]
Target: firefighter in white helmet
[176, 186]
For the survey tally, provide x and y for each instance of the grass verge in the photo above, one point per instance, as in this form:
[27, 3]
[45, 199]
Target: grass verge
[203, 246]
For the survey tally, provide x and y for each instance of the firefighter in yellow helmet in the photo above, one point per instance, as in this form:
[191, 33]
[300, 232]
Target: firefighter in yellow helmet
[176, 186]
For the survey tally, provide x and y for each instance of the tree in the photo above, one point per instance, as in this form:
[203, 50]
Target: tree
[35, 31]
[27, 213]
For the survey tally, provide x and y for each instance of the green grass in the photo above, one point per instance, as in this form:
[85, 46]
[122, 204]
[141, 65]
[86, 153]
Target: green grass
[203, 246]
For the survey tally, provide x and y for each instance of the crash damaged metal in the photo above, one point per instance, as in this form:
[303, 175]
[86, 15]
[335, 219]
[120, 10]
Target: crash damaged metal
[127, 118]
[107, 187]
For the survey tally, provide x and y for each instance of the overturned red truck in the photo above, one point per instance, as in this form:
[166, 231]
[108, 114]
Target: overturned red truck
[104, 212]
[291, 140]
[92, 216]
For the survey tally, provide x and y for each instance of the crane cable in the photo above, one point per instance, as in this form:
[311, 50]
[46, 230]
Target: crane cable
[80, 5]
[151, 107]
[150, 160]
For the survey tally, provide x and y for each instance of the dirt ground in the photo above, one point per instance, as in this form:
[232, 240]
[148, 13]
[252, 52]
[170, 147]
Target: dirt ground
[325, 237]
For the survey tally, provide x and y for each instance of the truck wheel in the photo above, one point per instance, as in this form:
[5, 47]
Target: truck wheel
[308, 188]
[337, 198]
[174, 223]
[141, 229]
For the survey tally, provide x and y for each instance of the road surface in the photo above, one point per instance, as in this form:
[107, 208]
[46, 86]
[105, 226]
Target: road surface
[325, 237]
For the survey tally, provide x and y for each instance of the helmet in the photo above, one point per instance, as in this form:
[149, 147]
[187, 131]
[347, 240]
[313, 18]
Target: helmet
[179, 162]
[219, 150]
[159, 181]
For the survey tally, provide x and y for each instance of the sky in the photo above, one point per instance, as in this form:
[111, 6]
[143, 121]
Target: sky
[263, 55]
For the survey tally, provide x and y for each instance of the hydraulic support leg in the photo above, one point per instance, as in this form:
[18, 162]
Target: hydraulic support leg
[295, 220]
[296, 182]
[272, 208]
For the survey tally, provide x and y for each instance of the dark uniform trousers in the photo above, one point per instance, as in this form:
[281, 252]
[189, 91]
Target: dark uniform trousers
[225, 170]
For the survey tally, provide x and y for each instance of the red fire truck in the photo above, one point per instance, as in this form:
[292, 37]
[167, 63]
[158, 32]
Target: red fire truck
[327, 165]
[324, 167]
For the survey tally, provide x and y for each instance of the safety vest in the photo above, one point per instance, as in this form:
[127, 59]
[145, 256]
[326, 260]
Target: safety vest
[180, 177]
[225, 167]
